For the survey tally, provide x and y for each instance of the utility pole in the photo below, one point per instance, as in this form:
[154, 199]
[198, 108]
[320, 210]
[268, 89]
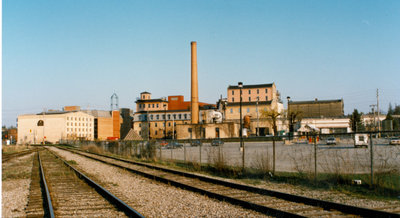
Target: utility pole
[373, 112]
[257, 132]
[377, 108]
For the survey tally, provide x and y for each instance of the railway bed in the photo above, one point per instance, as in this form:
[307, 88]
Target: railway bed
[59, 190]
[261, 200]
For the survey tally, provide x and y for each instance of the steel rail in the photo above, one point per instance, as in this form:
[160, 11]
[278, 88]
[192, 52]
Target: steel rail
[129, 211]
[48, 198]
[7, 157]
[327, 205]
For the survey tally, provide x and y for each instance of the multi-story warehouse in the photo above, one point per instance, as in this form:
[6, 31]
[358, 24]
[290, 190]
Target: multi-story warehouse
[318, 108]
[255, 99]
[157, 118]
[54, 126]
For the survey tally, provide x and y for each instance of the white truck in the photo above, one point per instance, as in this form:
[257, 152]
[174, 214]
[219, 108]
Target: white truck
[361, 140]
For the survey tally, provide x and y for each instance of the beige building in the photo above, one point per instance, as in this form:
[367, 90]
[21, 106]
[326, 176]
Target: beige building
[107, 124]
[55, 126]
[255, 99]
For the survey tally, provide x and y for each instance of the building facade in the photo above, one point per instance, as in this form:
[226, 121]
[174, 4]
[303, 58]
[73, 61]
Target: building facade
[159, 118]
[55, 126]
[255, 99]
[318, 108]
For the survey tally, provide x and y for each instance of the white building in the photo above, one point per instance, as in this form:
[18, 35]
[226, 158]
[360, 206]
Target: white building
[54, 126]
[326, 125]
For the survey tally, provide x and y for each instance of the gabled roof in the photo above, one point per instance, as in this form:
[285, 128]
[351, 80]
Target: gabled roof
[132, 135]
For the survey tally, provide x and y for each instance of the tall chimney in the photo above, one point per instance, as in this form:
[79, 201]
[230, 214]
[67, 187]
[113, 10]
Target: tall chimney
[194, 86]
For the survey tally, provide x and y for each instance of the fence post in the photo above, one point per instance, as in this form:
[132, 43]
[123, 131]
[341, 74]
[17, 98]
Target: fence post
[273, 155]
[201, 144]
[184, 153]
[315, 158]
[372, 159]
[160, 153]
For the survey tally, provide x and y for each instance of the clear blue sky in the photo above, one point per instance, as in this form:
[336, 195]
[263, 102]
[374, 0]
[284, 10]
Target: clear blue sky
[74, 52]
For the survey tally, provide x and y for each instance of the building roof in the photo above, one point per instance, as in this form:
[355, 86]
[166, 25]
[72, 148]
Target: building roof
[98, 113]
[151, 100]
[145, 92]
[252, 86]
[316, 101]
[54, 112]
[132, 135]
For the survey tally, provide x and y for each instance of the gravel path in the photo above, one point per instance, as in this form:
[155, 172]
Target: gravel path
[15, 186]
[154, 199]
[333, 196]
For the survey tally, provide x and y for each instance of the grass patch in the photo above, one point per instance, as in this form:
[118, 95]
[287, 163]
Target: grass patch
[71, 162]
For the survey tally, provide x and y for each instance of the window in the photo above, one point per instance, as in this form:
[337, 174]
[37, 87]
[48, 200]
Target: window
[233, 99]
[258, 91]
[79, 119]
[231, 111]
[163, 124]
[169, 124]
[266, 90]
[75, 118]
[179, 116]
[155, 132]
[174, 116]
[157, 117]
[155, 124]
[249, 98]
[157, 105]
[169, 116]
[266, 98]
[153, 105]
[140, 125]
[248, 110]
[67, 118]
[174, 124]
[163, 116]
[151, 117]
[233, 92]
[249, 91]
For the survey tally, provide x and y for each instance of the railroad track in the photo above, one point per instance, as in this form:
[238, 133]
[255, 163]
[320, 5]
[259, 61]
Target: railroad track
[59, 190]
[7, 157]
[261, 200]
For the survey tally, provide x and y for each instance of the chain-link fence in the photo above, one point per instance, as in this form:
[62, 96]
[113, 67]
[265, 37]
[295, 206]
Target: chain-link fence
[371, 156]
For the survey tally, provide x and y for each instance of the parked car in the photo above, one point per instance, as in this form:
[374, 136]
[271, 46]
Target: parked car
[196, 143]
[217, 142]
[173, 145]
[331, 141]
[394, 141]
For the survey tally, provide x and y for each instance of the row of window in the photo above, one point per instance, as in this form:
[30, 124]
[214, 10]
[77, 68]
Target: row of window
[79, 129]
[258, 98]
[248, 110]
[156, 125]
[258, 91]
[169, 117]
[79, 124]
[79, 118]
[79, 135]
[155, 132]
[148, 105]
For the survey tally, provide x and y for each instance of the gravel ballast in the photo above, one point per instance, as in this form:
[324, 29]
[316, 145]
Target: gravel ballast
[154, 199]
[15, 186]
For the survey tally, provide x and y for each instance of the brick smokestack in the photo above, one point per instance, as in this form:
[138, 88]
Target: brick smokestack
[194, 86]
